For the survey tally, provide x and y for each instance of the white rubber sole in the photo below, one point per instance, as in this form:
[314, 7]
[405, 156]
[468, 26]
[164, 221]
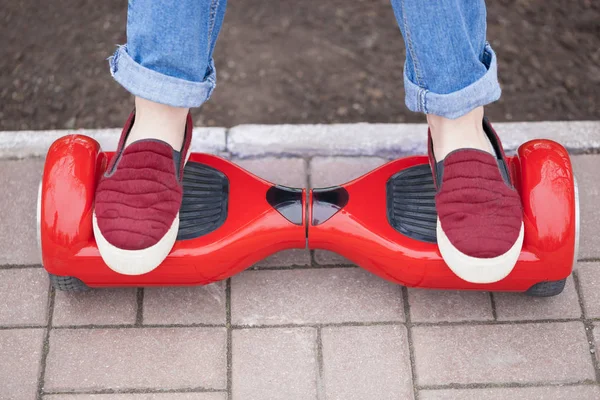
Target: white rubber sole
[135, 262]
[478, 270]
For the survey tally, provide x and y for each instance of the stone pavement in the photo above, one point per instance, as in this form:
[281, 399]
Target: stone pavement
[299, 325]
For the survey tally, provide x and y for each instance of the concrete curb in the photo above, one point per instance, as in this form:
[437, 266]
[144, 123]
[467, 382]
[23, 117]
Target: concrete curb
[391, 140]
[22, 144]
[383, 140]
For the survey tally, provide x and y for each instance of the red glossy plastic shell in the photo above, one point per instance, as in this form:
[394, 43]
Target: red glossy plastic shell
[252, 230]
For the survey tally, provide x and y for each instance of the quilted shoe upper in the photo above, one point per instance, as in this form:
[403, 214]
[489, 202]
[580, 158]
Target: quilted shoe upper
[137, 204]
[479, 212]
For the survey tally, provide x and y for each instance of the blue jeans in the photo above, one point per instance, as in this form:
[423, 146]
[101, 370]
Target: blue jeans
[450, 69]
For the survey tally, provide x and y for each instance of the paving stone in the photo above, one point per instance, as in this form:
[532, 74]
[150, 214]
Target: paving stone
[134, 358]
[18, 238]
[449, 305]
[286, 258]
[24, 296]
[331, 171]
[366, 362]
[140, 396]
[589, 281]
[274, 364]
[313, 296]
[521, 353]
[95, 307]
[518, 306]
[586, 171]
[282, 171]
[20, 352]
[587, 392]
[325, 257]
[185, 305]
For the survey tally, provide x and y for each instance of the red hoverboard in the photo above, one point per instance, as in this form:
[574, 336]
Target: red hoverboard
[383, 221]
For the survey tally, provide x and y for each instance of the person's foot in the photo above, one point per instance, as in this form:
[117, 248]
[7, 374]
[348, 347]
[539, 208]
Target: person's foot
[480, 219]
[158, 121]
[136, 213]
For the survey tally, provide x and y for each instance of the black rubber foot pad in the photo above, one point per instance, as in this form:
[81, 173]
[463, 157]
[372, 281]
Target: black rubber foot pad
[205, 198]
[411, 203]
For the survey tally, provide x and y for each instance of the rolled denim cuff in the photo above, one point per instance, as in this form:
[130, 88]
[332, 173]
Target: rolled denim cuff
[154, 86]
[456, 104]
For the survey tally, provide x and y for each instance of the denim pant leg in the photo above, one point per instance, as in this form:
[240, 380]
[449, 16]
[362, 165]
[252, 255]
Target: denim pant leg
[450, 69]
[168, 55]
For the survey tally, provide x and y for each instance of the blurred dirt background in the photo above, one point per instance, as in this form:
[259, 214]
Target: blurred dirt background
[290, 61]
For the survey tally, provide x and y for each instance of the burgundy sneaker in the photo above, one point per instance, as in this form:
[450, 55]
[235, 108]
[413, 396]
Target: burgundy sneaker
[136, 215]
[480, 218]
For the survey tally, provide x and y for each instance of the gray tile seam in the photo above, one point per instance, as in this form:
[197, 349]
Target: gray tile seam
[493, 304]
[589, 333]
[320, 378]
[121, 326]
[226, 133]
[314, 325]
[307, 168]
[492, 323]
[588, 327]
[508, 385]
[413, 324]
[229, 349]
[308, 160]
[313, 261]
[589, 260]
[138, 391]
[411, 347]
[20, 266]
[139, 312]
[16, 327]
[325, 266]
[317, 325]
[46, 342]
